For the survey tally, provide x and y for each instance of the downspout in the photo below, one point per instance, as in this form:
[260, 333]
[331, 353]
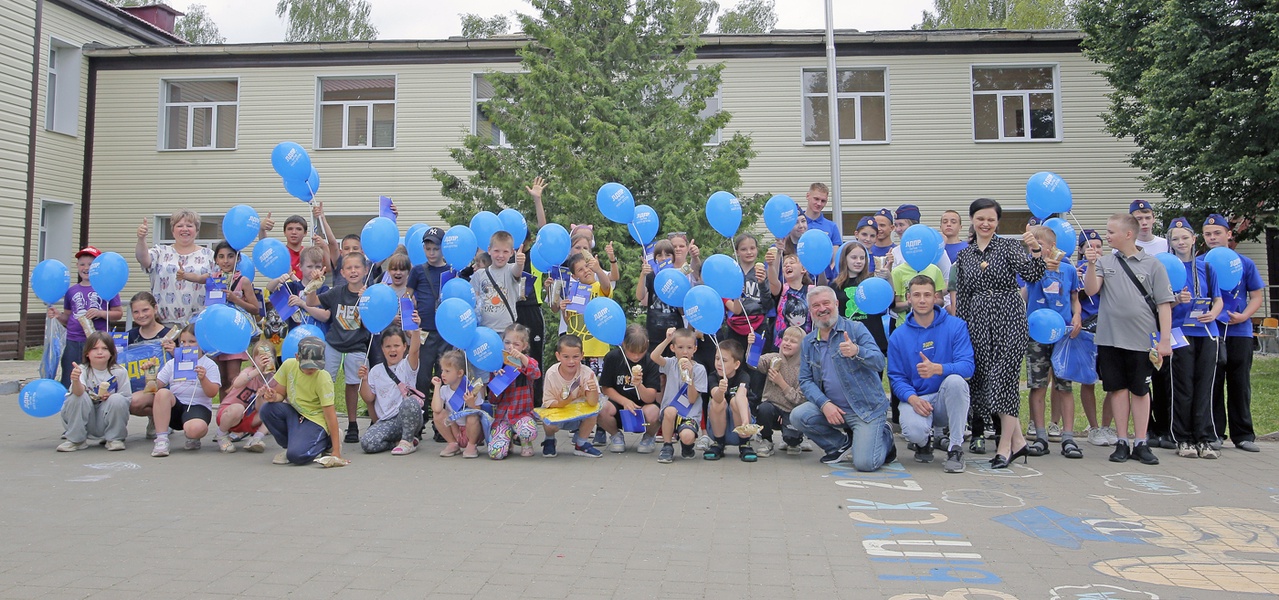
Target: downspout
[23, 304]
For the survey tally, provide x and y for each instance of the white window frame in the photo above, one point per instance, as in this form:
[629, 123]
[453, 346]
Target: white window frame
[886, 94]
[1025, 100]
[165, 105]
[164, 228]
[62, 88]
[475, 109]
[347, 105]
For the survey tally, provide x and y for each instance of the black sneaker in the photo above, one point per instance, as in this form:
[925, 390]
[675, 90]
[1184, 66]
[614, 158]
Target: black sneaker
[437, 438]
[892, 453]
[841, 453]
[1143, 453]
[666, 455]
[924, 452]
[352, 434]
[548, 448]
[940, 443]
[686, 451]
[1121, 453]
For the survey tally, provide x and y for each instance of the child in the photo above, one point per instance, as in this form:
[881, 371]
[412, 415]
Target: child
[585, 270]
[91, 312]
[347, 341]
[397, 277]
[950, 230]
[394, 405]
[297, 407]
[660, 315]
[145, 327]
[631, 381]
[295, 228]
[901, 274]
[312, 263]
[1195, 364]
[513, 408]
[498, 286]
[98, 401]
[687, 257]
[682, 397]
[882, 249]
[867, 232]
[854, 268]
[238, 410]
[583, 241]
[452, 375]
[1058, 292]
[781, 394]
[185, 404]
[1147, 241]
[424, 281]
[1099, 433]
[789, 295]
[732, 392]
[749, 313]
[568, 382]
[239, 295]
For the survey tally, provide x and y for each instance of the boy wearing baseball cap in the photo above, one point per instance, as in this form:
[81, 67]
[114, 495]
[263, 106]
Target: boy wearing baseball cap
[297, 407]
[425, 280]
[1146, 239]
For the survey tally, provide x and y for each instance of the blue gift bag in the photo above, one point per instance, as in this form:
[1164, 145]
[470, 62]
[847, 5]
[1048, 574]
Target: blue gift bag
[1076, 359]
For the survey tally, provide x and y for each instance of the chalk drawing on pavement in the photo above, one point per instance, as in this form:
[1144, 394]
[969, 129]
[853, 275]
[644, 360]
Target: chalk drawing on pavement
[982, 498]
[1094, 591]
[1145, 483]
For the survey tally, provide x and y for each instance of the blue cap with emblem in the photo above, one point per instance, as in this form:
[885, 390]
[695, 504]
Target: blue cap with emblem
[1139, 205]
[1088, 235]
[884, 212]
[909, 212]
[868, 222]
[1218, 220]
[1180, 222]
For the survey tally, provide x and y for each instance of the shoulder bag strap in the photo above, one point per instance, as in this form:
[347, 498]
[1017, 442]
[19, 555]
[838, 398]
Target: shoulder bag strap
[1150, 302]
[500, 293]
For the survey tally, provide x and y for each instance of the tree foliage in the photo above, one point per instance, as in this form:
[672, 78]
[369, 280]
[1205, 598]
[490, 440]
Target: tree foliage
[605, 92]
[996, 14]
[326, 20]
[475, 26]
[1196, 87]
[749, 16]
[197, 27]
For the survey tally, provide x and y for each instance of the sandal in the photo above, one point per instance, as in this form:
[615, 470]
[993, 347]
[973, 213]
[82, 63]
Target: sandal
[404, 447]
[1039, 447]
[450, 450]
[714, 452]
[747, 454]
[1070, 449]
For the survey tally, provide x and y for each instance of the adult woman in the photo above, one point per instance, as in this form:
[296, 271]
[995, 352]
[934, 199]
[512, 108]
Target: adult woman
[996, 315]
[178, 272]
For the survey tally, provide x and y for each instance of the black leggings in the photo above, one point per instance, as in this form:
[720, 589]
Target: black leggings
[770, 417]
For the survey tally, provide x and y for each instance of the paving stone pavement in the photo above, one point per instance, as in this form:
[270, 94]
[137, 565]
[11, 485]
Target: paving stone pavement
[98, 524]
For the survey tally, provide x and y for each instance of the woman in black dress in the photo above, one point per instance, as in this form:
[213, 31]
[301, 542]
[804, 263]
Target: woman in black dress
[989, 302]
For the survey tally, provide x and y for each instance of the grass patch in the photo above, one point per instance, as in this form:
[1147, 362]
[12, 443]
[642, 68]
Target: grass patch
[33, 353]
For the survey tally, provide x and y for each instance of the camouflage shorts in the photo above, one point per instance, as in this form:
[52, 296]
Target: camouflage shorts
[1039, 367]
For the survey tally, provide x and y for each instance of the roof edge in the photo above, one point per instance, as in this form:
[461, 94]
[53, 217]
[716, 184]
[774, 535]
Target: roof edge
[112, 16]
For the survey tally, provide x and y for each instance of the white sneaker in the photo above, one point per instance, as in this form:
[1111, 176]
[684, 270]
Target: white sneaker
[1112, 436]
[764, 448]
[281, 459]
[255, 445]
[646, 445]
[150, 428]
[115, 445]
[1207, 451]
[617, 443]
[1187, 450]
[1054, 432]
[225, 445]
[70, 446]
[806, 446]
[161, 447]
[702, 443]
[192, 445]
[1096, 436]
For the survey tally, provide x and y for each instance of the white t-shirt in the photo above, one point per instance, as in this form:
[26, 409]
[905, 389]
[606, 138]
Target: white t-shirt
[1154, 246]
[674, 381]
[92, 378]
[189, 391]
[388, 394]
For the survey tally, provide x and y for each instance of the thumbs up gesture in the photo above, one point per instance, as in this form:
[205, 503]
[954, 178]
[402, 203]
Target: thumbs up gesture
[928, 368]
[267, 224]
[847, 348]
[75, 372]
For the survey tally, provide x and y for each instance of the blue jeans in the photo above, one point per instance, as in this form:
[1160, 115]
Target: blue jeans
[950, 407]
[302, 439]
[871, 439]
[72, 352]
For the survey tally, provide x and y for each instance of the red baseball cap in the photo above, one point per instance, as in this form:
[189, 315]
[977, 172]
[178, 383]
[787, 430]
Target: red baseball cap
[88, 251]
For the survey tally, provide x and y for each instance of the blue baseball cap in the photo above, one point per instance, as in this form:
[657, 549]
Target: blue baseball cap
[1218, 220]
[1139, 205]
[1181, 222]
[1034, 221]
[884, 212]
[908, 211]
[1088, 235]
[867, 222]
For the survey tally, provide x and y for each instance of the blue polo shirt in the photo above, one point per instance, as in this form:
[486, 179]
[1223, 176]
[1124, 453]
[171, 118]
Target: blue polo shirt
[1201, 281]
[1054, 291]
[1237, 299]
[823, 224]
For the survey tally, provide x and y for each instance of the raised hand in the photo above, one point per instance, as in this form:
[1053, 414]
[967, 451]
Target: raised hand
[1031, 241]
[770, 257]
[268, 223]
[847, 348]
[76, 371]
[1091, 254]
[760, 273]
[608, 249]
[535, 190]
[363, 372]
[1184, 297]
[317, 209]
[143, 230]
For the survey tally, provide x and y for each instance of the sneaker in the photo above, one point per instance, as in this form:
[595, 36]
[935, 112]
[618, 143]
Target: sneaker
[69, 446]
[1054, 432]
[115, 445]
[548, 448]
[667, 455]
[1166, 443]
[404, 447]
[941, 441]
[1144, 454]
[924, 453]
[1248, 446]
[237, 435]
[451, 450]
[793, 451]
[161, 447]
[255, 445]
[954, 460]
[783, 446]
[352, 434]
[600, 437]
[1121, 452]
[191, 445]
[1096, 436]
[843, 452]
[687, 452]
[1215, 444]
[282, 458]
[617, 444]
[977, 445]
[889, 457]
[806, 446]
[764, 448]
[702, 443]
[1206, 451]
[1187, 450]
[1112, 436]
[225, 445]
[586, 449]
[150, 428]
[646, 445]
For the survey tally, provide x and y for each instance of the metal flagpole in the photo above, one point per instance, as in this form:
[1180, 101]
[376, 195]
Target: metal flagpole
[832, 107]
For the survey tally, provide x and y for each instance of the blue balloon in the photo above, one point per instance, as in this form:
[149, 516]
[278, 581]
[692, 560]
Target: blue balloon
[724, 213]
[458, 246]
[108, 275]
[672, 286]
[313, 180]
[1046, 326]
[486, 350]
[245, 267]
[484, 224]
[780, 215]
[539, 262]
[223, 329]
[919, 246]
[271, 258]
[42, 398]
[379, 238]
[206, 323]
[289, 348]
[606, 320]
[1047, 193]
[378, 307]
[413, 244]
[643, 228]
[555, 242]
[815, 251]
[724, 275]
[458, 288]
[615, 202]
[240, 226]
[704, 309]
[456, 321]
[50, 280]
[1065, 233]
[291, 161]
[299, 188]
[1176, 270]
[513, 222]
[874, 295]
[1227, 266]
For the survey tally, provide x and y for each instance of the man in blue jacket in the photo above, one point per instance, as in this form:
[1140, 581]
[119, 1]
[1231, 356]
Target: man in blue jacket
[929, 358]
[839, 376]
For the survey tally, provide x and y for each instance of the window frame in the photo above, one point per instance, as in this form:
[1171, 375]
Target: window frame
[886, 94]
[62, 87]
[502, 142]
[369, 105]
[1024, 95]
[165, 105]
[42, 236]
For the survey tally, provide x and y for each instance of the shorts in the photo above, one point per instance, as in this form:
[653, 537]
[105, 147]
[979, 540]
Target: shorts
[1122, 369]
[350, 362]
[181, 413]
[685, 423]
[245, 425]
[1039, 364]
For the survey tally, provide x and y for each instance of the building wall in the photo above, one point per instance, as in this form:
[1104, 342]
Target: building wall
[17, 39]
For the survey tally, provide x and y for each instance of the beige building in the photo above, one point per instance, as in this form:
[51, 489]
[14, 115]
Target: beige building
[930, 118]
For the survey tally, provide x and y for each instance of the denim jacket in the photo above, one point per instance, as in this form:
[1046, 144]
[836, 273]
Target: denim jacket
[860, 375]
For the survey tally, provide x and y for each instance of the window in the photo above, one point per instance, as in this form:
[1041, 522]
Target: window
[209, 235]
[199, 114]
[1015, 103]
[862, 101]
[55, 232]
[357, 112]
[481, 124]
[346, 223]
[62, 88]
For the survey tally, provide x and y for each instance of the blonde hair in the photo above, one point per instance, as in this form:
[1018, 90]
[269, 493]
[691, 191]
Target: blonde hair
[453, 359]
[1046, 235]
[185, 214]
